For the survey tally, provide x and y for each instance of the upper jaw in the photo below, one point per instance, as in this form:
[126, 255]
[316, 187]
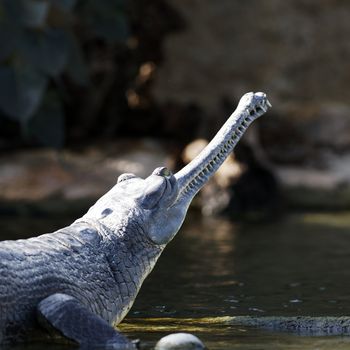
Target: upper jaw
[255, 104]
[194, 175]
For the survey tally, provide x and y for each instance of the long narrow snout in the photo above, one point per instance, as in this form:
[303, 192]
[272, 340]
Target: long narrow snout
[194, 175]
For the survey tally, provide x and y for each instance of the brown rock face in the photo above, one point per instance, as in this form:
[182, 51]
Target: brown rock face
[38, 175]
[296, 51]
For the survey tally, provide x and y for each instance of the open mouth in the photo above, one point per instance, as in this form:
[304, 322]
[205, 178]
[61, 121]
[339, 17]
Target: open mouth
[218, 154]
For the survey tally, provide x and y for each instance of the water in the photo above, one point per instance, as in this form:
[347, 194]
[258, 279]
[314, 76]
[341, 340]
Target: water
[214, 269]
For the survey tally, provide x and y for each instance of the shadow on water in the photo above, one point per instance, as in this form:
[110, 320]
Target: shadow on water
[214, 269]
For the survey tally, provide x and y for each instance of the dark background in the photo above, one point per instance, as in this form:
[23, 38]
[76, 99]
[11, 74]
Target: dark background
[85, 83]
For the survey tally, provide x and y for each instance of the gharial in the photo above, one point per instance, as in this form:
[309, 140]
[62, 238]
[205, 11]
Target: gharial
[79, 282]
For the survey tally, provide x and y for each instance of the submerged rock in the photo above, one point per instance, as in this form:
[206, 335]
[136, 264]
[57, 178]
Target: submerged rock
[179, 341]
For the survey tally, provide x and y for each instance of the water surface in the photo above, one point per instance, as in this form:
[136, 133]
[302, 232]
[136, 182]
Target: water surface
[214, 269]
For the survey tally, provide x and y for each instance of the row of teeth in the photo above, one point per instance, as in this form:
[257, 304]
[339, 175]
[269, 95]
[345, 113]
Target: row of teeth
[226, 148]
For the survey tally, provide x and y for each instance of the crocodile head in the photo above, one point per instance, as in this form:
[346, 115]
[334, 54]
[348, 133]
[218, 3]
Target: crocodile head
[158, 204]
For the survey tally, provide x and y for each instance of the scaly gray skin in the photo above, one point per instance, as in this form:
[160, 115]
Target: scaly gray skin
[303, 325]
[82, 279]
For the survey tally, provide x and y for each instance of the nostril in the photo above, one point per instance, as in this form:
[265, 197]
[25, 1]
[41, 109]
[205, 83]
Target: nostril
[162, 171]
[106, 212]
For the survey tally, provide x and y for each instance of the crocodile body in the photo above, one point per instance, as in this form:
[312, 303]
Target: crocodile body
[80, 281]
[302, 325]
[101, 269]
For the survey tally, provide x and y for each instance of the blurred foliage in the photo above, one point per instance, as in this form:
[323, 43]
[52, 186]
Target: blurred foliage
[41, 49]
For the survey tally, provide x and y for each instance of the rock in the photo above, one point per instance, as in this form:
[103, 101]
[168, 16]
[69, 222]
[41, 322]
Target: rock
[37, 175]
[317, 188]
[179, 341]
[230, 47]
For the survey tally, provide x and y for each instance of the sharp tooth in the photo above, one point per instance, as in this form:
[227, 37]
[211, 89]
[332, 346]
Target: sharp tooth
[263, 108]
[268, 103]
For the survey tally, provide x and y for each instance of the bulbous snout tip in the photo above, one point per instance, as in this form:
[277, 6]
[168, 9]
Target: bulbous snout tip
[254, 98]
[260, 94]
[263, 97]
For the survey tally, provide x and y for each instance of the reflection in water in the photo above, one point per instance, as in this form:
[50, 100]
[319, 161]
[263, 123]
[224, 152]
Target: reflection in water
[213, 269]
[199, 258]
[296, 267]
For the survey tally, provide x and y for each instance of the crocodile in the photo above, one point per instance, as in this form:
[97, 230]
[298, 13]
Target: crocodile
[77, 283]
[301, 325]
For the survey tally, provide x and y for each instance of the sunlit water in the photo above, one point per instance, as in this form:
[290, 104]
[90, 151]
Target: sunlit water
[214, 269]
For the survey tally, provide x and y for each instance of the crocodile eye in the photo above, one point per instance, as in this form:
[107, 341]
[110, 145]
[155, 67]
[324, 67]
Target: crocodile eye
[162, 171]
[126, 176]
